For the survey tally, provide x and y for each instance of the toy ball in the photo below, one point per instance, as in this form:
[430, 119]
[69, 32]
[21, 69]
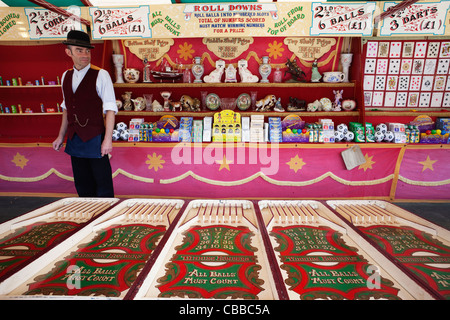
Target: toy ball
[379, 136]
[338, 136]
[433, 131]
[172, 130]
[438, 131]
[443, 132]
[294, 131]
[381, 127]
[157, 130]
[167, 130]
[115, 135]
[342, 127]
[428, 132]
[288, 131]
[304, 131]
[389, 136]
[349, 136]
[121, 126]
[124, 135]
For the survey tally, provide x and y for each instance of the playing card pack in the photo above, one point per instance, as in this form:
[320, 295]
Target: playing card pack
[406, 74]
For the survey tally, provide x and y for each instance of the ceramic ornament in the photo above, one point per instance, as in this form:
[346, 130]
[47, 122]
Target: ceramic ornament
[245, 74]
[216, 75]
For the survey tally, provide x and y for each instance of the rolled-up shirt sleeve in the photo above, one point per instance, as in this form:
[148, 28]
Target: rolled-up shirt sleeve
[105, 90]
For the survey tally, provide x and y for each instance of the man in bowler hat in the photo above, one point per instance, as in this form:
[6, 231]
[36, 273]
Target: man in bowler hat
[89, 109]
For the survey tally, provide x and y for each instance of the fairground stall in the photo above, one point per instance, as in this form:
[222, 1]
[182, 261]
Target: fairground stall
[258, 145]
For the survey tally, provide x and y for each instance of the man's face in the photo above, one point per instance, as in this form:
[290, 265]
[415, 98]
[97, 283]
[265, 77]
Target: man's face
[81, 56]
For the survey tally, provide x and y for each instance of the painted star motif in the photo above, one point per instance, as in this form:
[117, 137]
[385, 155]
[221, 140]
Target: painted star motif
[368, 164]
[155, 162]
[19, 160]
[427, 164]
[296, 163]
[224, 163]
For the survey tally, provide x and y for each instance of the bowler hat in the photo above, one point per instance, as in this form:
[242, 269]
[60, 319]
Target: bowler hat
[79, 39]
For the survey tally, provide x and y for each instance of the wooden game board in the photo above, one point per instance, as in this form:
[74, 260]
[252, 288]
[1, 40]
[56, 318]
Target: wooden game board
[419, 245]
[216, 252]
[320, 258]
[24, 238]
[104, 258]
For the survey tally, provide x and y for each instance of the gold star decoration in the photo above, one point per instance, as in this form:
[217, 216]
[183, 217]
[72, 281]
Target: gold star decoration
[19, 160]
[427, 164]
[224, 163]
[155, 161]
[368, 164]
[296, 163]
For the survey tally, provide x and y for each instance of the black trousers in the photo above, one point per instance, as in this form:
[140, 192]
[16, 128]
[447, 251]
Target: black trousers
[93, 177]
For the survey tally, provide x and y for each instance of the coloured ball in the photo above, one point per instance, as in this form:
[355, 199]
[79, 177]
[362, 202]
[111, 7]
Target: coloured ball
[342, 127]
[115, 135]
[121, 126]
[124, 135]
[389, 136]
[381, 127]
[379, 136]
[438, 131]
[349, 136]
[338, 136]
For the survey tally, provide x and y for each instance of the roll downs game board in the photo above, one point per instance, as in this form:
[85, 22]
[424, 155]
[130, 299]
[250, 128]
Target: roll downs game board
[422, 247]
[216, 252]
[164, 249]
[320, 259]
[102, 259]
[26, 237]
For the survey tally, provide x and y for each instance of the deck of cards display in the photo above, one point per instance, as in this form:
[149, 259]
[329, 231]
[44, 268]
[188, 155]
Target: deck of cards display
[406, 74]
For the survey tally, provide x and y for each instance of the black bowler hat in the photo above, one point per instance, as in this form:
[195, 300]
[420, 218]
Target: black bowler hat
[79, 39]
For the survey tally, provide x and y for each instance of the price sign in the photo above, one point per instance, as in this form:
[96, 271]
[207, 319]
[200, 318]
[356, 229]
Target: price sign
[44, 23]
[419, 18]
[111, 23]
[335, 18]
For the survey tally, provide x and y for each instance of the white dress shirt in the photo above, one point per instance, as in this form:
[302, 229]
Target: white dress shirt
[104, 86]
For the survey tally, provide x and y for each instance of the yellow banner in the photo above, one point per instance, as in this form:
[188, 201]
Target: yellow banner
[287, 19]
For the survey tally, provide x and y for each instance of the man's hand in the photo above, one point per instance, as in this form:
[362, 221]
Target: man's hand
[57, 144]
[106, 147]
